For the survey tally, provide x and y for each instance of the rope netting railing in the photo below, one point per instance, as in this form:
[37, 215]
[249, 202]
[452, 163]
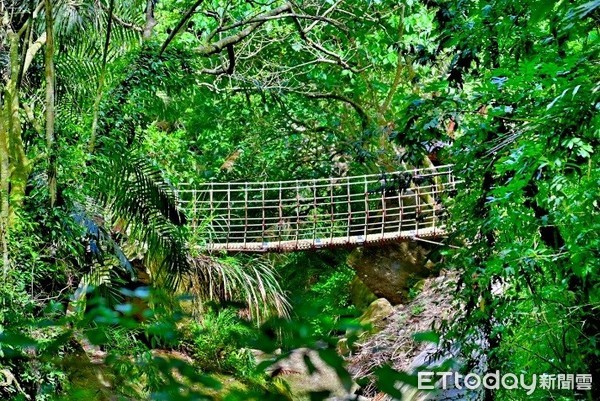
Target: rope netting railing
[329, 212]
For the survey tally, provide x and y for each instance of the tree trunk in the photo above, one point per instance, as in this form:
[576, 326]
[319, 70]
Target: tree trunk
[4, 186]
[101, 79]
[50, 115]
[19, 164]
[15, 167]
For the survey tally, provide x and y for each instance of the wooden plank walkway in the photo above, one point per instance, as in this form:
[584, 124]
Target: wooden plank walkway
[324, 243]
[285, 216]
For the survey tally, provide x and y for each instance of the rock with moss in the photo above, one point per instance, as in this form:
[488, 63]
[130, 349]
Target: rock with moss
[390, 271]
[376, 314]
[374, 317]
[360, 294]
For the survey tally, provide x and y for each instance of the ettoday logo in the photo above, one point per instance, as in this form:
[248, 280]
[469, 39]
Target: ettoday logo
[509, 381]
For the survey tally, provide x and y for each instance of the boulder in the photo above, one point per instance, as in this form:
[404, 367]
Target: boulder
[389, 271]
[377, 314]
[360, 294]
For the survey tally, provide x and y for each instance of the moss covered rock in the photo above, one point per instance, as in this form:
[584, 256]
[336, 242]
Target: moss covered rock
[376, 314]
[360, 294]
[390, 271]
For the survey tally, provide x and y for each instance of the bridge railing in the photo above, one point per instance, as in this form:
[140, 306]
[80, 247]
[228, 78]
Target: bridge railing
[303, 214]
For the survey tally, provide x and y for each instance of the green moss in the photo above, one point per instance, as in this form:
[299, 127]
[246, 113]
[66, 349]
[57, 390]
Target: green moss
[360, 294]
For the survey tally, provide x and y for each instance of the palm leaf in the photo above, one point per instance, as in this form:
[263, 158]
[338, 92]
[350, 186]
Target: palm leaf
[248, 280]
[134, 191]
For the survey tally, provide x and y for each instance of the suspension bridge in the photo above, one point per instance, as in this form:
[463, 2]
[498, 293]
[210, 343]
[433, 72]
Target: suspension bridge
[282, 216]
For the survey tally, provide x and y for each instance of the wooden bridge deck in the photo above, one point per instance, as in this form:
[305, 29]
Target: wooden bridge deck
[322, 243]
[326, 213]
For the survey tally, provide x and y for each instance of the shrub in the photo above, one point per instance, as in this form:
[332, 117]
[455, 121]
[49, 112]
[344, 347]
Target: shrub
[219, 340]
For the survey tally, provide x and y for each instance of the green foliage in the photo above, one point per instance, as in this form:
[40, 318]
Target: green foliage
[218, 342]
[20, 352]
[417, 310]
[144, 206]
[528, 128]
[249, 281]
[314, 91]
[319, 287]
[333, 289]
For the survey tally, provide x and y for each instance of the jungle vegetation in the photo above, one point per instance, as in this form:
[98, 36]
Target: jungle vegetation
[106, 106]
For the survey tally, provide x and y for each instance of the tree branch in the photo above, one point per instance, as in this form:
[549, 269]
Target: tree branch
[359, 110]
[264, 18]
[120, 21]
[50, 74]
[231, 56]
[322, 49]
[399, 67]
[150, 21]
[328, 11]
[222, 69]
[218, 46]
[186, 17]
